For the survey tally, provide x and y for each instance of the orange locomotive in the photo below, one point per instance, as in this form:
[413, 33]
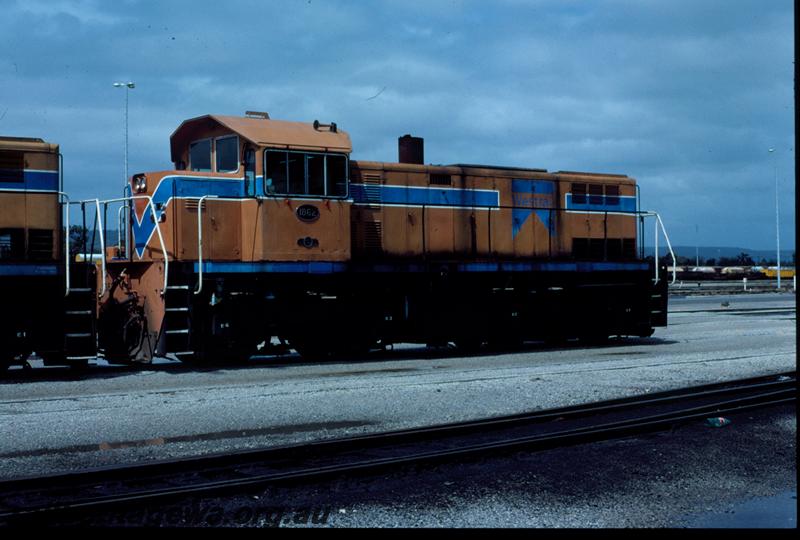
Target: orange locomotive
[266, 229]
[47, 302]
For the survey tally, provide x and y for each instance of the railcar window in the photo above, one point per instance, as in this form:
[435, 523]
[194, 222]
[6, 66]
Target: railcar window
[300, 173]
[12, 243]
[579, 193]
[595, 194]
[227, 154]
[612, 195]
[200, 156]
[12, 163]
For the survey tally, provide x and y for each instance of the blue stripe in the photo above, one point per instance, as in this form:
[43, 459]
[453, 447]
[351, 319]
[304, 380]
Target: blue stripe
[31, 269]
[553, 267]
[315, 267]
[626, 204]
[181, 186]
[212, 267]
[34, 180]
[414, 195]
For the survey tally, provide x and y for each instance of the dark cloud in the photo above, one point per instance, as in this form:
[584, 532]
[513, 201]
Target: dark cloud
[686, 96]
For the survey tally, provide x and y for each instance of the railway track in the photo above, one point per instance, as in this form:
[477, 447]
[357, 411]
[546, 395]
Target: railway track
[65, 497]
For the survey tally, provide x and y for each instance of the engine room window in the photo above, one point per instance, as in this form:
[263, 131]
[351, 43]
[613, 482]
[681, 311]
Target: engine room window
[227, 154]
[200, 156]
[301, 173]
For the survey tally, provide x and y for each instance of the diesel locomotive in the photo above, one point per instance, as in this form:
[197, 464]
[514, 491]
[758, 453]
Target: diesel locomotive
[47, 301]
[265, 231]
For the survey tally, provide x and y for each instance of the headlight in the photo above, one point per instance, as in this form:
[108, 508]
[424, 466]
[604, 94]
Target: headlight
[140, 184]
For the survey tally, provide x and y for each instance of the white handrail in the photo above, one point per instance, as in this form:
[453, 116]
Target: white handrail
[200, 240]
[149, 200]
[99, 226]
[659, 223]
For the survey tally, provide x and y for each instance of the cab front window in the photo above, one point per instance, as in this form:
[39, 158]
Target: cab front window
[200, 155]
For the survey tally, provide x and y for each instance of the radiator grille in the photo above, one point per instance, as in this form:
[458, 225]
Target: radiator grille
[191, 204]
[40, 244]
[372, 189]
[373, 236]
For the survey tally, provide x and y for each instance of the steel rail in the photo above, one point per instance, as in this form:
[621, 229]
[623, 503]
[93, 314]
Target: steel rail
[781, 389]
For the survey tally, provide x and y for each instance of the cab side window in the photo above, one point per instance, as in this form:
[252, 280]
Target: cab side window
[305, 173]
[227, 153]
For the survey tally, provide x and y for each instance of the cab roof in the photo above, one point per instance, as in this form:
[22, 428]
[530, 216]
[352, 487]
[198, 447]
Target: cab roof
[263, 132]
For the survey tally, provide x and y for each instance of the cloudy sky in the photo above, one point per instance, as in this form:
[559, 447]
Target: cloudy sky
[687, 96]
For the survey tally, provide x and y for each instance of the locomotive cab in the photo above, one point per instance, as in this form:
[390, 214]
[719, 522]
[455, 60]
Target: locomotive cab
[271, 191]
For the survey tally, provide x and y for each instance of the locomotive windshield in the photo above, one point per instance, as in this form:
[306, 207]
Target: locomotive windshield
[305, 173]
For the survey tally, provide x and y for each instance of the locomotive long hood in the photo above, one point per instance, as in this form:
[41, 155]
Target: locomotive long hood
[263, 132]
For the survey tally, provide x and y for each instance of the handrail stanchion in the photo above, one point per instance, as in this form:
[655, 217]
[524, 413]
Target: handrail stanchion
[669, 245]
[66, 240]
[200, 241]
[120, 220]
[656, 251]
[102, 249]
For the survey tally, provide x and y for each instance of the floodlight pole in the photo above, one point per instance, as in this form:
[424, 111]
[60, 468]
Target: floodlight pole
[777, 221]
[128, 85]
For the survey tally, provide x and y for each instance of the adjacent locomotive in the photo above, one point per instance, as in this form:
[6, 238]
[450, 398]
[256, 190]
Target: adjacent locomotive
[47, 302]
[267, 229]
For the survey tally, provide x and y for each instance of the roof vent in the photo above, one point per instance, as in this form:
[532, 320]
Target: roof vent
[331, 127]
[257, 114]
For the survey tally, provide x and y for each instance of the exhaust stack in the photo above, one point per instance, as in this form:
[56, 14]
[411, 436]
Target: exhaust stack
[411, 149]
